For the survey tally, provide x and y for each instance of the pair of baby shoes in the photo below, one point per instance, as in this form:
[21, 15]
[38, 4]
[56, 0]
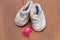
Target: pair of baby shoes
[34, 12]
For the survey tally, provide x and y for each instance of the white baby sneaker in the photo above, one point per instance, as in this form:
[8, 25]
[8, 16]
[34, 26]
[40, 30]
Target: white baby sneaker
[22, 15]
[37, 17]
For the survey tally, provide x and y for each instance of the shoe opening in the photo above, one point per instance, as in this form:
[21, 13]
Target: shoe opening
[37, 9]
[27, 7]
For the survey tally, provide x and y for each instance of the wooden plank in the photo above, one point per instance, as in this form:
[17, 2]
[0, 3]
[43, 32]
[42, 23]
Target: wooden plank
[9, 31]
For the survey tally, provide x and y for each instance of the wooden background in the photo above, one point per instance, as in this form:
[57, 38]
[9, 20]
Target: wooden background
[9, 31]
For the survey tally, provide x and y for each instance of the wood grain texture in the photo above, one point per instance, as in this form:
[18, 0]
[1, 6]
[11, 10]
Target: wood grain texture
[9, 31]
